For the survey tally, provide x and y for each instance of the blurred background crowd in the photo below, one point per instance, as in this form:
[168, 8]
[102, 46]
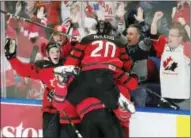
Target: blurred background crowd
[76, 18]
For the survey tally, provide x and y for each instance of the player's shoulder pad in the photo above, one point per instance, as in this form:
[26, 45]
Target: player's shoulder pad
[43, 64]
[87, 39]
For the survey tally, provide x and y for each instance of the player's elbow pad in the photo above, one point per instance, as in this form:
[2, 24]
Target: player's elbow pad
[132, 84]
[128, 66]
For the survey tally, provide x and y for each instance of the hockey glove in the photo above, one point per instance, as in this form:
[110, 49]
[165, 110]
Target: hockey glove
[125, 104]
[59, 96]
[123, 116]
[10, 48]
[64, 72]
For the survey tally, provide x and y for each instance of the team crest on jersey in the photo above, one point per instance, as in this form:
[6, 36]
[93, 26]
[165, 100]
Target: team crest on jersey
[170, 64]
[53, 82]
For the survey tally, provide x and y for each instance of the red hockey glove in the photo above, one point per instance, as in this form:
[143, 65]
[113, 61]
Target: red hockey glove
[59, 96]
[123, 116]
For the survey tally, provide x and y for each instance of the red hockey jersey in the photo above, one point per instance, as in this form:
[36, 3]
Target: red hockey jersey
[43, 71]
[97, 51]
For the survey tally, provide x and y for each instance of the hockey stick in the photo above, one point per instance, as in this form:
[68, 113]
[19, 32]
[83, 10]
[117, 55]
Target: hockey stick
[69, 28]
[172, 105]
[31, 61]
[38, 24]
[33, 54]
[72, 124]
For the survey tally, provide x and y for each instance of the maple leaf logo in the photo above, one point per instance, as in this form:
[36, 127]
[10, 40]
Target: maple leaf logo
[166, 62]
[169, 64]
[53, 82]
[174, 66]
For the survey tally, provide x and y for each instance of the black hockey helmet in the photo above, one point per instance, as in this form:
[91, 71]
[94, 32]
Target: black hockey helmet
[103, 27]
[51, 45]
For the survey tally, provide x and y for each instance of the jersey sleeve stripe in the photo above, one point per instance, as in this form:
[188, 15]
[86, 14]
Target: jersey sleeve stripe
[127, 80]
[75, 57]
[81, 47]
[121, 75]
[77, 49]
[124, 53]
[126, 59]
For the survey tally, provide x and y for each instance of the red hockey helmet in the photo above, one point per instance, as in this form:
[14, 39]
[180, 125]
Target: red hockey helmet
[60, 28]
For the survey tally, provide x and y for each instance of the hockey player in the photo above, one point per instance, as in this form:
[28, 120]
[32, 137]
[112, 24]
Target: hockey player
[101, 55]
[125, 84]
[42, 70]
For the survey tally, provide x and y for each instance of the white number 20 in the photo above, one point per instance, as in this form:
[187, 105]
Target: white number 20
[100, 46]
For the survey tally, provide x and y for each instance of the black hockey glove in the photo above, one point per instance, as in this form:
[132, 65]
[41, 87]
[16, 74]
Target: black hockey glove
[50, 96]
[10, 48]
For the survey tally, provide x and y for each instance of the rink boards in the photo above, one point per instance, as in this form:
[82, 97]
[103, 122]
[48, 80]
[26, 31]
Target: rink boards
[22, 118]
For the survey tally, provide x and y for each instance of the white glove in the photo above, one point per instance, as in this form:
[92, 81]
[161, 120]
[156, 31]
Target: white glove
[40, 13]
[125, 104]
[63, 72]
[67, 70]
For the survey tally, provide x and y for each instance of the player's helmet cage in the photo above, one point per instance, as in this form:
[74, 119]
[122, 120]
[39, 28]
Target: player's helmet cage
[51, 45]
[103, 27]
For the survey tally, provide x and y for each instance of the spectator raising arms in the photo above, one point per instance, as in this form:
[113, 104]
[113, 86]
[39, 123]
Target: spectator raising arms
[175, 64]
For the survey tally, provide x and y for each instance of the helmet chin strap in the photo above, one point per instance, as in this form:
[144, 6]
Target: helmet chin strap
[50, 60]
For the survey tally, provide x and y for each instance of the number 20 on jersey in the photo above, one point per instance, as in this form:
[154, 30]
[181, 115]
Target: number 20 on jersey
[104, 49]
